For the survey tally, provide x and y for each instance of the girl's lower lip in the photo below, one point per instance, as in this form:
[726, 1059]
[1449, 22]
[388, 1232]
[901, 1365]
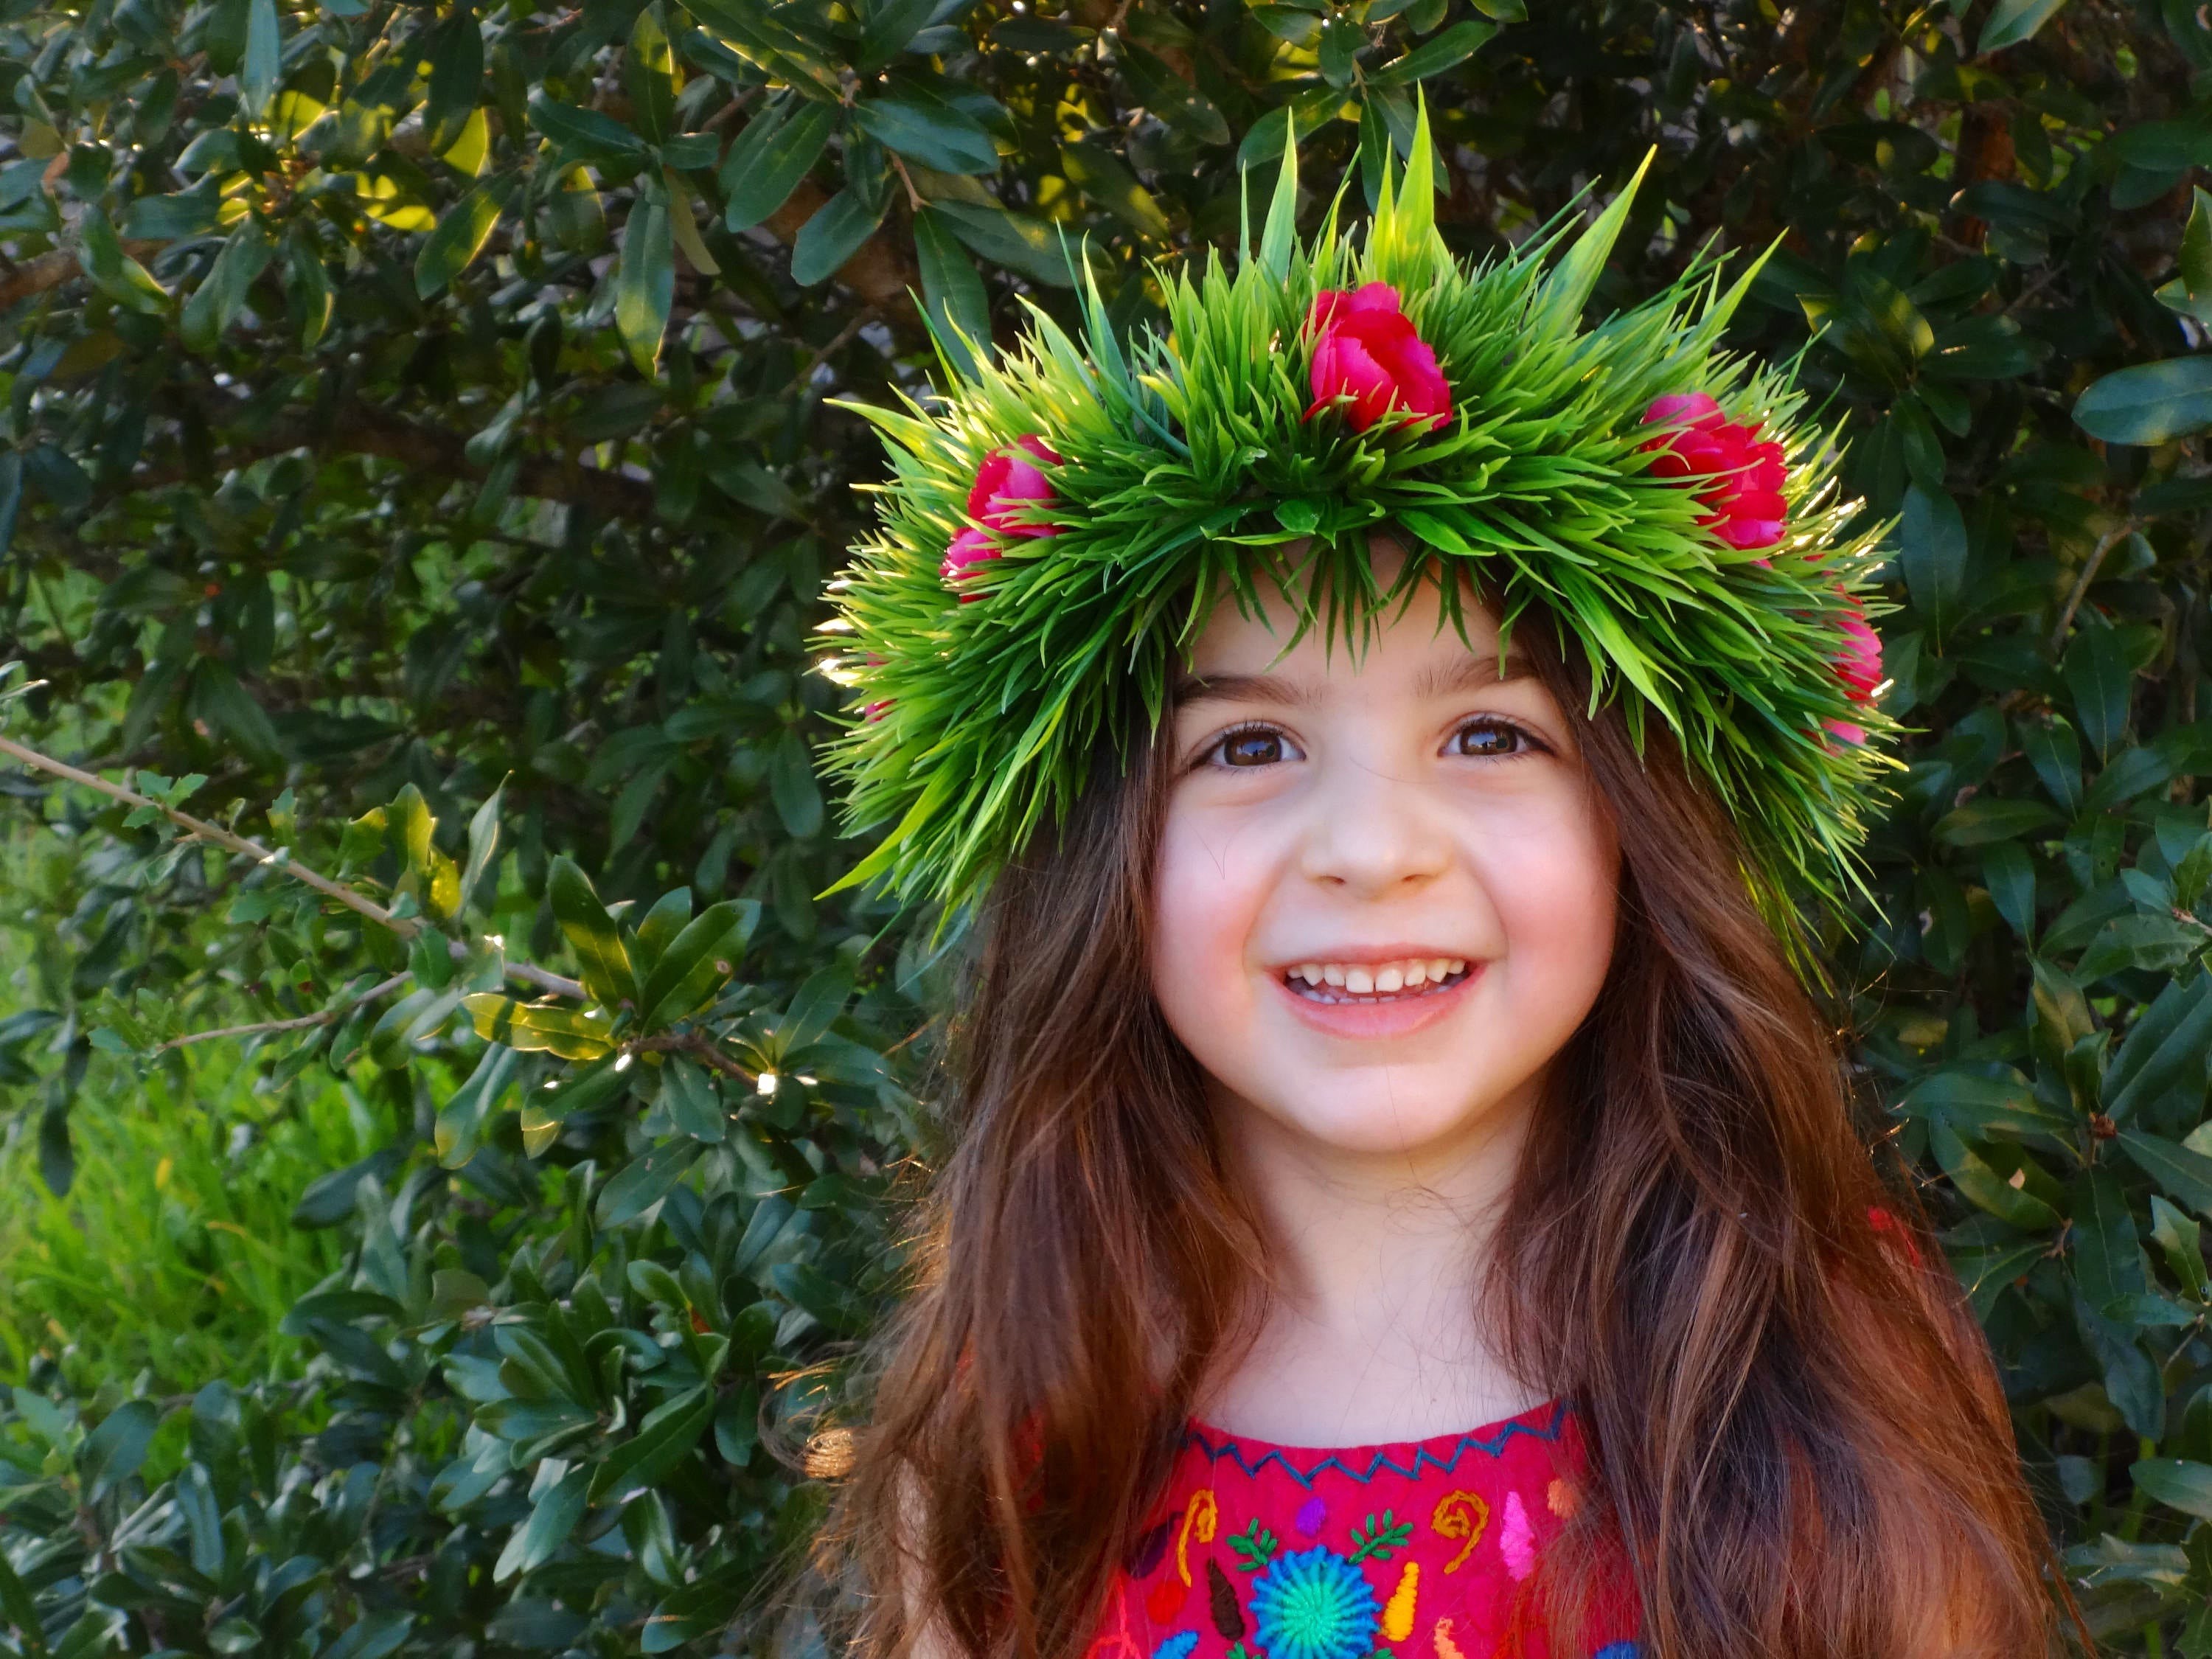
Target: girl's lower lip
[1398, 1018]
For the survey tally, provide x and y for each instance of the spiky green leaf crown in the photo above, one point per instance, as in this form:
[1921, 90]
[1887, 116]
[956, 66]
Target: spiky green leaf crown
[1188, 471]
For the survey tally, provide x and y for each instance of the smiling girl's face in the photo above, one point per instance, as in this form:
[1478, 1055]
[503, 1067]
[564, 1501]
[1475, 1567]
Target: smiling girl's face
[1386, 889]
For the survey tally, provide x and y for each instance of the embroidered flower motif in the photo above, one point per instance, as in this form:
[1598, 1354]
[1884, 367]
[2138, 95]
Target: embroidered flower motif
[1516, 1539]
[1364, 347]
[1221, 1601]
[1742, 477]
[1177, 1646]
[1859, 667]
[1398, 1610]
[1618, 1651]
[1314, 1604]
[1461, 1514]
[1312, 1517]
[1165, 1599]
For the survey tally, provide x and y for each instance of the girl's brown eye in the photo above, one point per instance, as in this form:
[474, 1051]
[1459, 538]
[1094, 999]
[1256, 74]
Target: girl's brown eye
[1260, 747]
[1486, 739]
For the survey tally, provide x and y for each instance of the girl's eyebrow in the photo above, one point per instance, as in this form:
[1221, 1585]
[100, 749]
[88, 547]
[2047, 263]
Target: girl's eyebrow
[1469, 673]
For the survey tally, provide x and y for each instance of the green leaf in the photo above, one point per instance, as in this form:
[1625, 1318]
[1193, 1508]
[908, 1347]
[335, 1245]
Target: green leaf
[663, 1439]
[591, 933]
[1434, 56]
[457, 65]
[1988, 818]
[1026, 246]
[2101, 673]
[2012, 21]
[645, 285]
[644, 1182]
[929, 130]
[2148, 404]
[954, 304]
[583, 1089]
[649, 67]
[585, 133]
[2157, 943]
[484, 841]
[257, 69]
[460, 1121]
[890, 25]
[112, 1453]
[832, 236]
[222, 291]
[2108, 1258]
[552, 1519]
[1932, 552]
[2183, 1174]
[697, 961]
[462, 232]
[571, 1033]
[113, 272]
[694, 1106]
[2164, 1052]
[2180, 1240]
[793, 787]
[767, 160]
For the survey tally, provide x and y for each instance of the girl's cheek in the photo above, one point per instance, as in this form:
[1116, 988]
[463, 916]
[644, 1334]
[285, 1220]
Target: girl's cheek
[1209, 888]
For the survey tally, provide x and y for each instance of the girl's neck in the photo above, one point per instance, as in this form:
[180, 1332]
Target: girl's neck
[1372, 1331]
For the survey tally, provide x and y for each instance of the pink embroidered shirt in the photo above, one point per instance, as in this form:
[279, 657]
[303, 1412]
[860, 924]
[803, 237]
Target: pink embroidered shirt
[1412, 1550]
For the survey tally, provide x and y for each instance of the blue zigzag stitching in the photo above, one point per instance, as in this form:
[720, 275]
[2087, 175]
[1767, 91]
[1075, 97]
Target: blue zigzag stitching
[1490, 1445]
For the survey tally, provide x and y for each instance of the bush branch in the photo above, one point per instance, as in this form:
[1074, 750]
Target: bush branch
[261, 1027]
[201, 829]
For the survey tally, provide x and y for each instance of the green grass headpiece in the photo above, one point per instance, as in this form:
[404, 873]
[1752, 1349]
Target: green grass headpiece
[1057, 526]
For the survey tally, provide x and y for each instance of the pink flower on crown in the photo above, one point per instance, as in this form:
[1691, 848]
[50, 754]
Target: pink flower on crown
[875, 710]
[1364, 347]
[1742, 477]
[1006, 484]
[1858, 665]
[1009, 480]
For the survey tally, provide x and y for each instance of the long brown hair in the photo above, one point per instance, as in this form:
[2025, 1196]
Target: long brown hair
[1797, 1443]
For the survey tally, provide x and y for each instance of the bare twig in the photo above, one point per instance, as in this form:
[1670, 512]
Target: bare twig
[201, 829]
[263, 1027]
[2082, 583]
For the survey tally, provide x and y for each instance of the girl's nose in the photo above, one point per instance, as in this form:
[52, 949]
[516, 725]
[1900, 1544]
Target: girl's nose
[1373, 835]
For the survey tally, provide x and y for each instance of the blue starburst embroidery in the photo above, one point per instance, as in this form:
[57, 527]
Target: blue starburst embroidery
[1314, 1604]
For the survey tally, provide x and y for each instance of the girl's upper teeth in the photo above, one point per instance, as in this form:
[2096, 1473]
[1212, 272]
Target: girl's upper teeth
[1380, 978]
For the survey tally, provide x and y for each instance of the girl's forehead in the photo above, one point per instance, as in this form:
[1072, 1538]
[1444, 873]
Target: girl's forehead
[1412, 632]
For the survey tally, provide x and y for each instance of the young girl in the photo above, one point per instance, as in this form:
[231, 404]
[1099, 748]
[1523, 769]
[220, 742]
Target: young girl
[1400, 747]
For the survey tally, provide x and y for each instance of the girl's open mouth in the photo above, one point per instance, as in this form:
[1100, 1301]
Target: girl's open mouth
[1363, 982]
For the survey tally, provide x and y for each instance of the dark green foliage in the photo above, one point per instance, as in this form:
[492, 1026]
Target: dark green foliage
[414, 408]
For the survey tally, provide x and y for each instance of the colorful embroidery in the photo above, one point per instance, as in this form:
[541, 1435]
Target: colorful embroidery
[1201, 1519]
[1517, 1541]
[1177, 1646]
[1619, 1651]
[1313, 1515]
[1559, 1498]
[1381, 1459]
[1255, 1544]
[1461, 1514]
[1446, 1647]
[1314, 1604]
[1166, 1598]
[1151, 1548]
[1222, 1595]
[1378, 1540]
[1398, 1610]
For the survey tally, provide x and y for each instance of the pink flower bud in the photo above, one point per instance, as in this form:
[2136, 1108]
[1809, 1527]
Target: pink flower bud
[1365, 349]
[970, 549]
[1008, 481]
[1740, 477]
